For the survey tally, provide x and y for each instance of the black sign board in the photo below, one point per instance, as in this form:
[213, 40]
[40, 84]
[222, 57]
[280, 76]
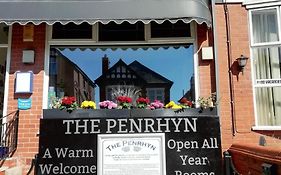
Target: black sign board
[68, 143]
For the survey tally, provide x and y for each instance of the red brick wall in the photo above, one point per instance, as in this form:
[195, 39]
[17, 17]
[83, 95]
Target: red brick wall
[207, 78]
[28, 119]
[244, 117]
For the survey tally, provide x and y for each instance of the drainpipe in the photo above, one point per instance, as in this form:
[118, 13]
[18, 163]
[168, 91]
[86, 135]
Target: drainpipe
[229, 59]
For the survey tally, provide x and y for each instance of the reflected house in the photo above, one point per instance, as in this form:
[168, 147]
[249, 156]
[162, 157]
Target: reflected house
[190, 94]
[135, 76]
[67, 79]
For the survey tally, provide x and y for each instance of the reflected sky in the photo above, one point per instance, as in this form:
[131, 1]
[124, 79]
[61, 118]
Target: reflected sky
[175, 64]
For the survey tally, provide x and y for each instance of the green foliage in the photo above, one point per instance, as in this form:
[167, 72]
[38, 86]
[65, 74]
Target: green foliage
[207, 102]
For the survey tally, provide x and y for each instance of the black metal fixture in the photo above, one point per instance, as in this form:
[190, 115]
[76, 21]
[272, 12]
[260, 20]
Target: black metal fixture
[242, 61]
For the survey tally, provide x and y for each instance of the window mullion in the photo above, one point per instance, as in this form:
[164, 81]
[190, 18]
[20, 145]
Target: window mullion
[279, 22]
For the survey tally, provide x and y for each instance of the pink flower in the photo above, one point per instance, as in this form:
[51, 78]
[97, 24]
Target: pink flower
[156, 104]
[107, 104]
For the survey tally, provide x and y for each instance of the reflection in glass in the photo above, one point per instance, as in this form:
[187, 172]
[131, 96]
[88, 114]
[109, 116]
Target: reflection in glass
[3, 55]
[4, 30]
[159, 72]
[267, 62]
[268, 101]
[265, 26]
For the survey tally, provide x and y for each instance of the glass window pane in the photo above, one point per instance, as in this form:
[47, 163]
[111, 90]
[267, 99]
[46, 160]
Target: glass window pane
[167, 29]
[268, 103]
[121, 32]
[155, 94]
[125, 70]
[72, 31]
[4, 30]
[3, 55]
[267, 62]
[265, 26]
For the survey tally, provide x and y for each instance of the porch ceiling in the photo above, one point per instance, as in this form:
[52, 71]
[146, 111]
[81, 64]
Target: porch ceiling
[104, 11]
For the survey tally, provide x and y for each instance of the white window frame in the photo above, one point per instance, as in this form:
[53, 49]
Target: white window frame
[251, 27]
[8, 46]
[94, 42]
[263, 45]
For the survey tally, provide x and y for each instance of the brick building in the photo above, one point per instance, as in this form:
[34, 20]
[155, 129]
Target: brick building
[248, 101]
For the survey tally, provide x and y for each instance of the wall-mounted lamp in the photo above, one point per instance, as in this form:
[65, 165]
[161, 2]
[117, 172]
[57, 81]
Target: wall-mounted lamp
[242, 61]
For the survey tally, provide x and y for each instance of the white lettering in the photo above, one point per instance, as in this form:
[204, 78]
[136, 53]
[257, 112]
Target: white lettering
[111, 123]
[47, 153]
[68, 122]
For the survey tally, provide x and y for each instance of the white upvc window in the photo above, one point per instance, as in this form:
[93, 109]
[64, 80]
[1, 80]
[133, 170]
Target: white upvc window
[266, 62]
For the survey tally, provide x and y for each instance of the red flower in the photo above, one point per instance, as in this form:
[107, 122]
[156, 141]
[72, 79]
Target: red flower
[186, 102]
[124, 99]
[67, 101]
[143, 100]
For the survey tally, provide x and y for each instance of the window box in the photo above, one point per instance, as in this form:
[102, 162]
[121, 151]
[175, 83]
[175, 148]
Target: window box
[126, 113]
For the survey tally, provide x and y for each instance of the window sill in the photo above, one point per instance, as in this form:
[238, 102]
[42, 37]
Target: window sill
[266, 128]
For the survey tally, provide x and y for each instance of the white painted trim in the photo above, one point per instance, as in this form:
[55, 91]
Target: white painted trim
[93, 43]
[251, 28]
[279, 22]
[261, 4]
[267, 44]
[252, 65]
[196, 68]
[147, 32]
[262, 45]
[46, 71]
[253, 88]
[95, 32]
[4, 45]
[234, 1]
[7, 74]
[268, 128]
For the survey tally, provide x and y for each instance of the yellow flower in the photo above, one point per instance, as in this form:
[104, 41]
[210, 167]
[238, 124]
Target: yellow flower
[170, 104]
[173, 105]
[176, 107]
[88, 105]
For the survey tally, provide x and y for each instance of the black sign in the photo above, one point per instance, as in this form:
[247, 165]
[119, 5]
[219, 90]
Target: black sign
[69, 145]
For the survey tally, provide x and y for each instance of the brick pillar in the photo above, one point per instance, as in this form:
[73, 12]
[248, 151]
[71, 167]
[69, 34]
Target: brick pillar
[28, 119]
[207, 79]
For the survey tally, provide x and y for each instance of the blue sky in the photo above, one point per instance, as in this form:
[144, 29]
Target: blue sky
[174, 64]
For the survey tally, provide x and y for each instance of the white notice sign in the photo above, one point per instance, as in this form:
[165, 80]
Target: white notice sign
[127, 154]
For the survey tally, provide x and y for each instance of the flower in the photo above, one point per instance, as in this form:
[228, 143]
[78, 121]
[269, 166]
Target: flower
[88, 105]
[173, 105]
[185, 103]
[68, 103]
[124, 102]
[124, 99]
[107, 104]
[142, 102]
[207, 102]
[156, 105]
